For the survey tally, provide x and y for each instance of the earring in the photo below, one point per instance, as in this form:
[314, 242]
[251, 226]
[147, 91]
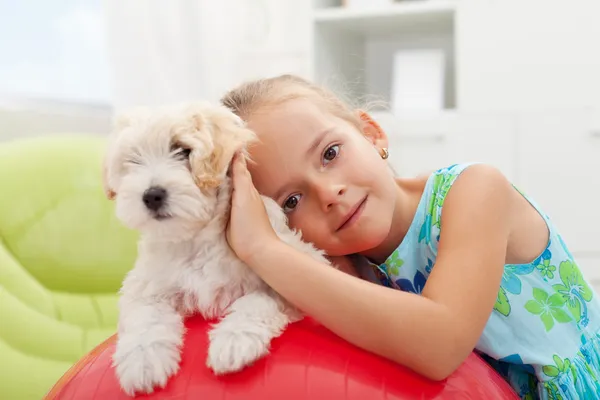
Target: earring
[384, 153]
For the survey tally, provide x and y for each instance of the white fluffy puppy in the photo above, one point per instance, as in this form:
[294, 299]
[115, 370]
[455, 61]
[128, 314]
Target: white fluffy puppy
[167, 169]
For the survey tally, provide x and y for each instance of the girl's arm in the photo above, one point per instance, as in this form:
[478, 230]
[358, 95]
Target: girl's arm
[433, 333]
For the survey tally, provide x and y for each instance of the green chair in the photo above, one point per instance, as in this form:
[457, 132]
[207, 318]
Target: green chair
[63, 255]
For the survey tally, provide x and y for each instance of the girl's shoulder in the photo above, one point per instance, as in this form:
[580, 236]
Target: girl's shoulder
[481, 180]
[442, 180]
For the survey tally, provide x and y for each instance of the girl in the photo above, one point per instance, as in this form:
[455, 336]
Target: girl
[462, 259]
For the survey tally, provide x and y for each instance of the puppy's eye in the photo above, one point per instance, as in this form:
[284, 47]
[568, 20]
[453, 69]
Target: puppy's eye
[182, 153]
[133, 161]
[185, 153]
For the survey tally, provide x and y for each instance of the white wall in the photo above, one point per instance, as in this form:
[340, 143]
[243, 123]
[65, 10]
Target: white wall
[528, 55]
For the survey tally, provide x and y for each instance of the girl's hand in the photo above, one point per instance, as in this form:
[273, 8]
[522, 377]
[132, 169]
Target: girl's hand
[249, 230]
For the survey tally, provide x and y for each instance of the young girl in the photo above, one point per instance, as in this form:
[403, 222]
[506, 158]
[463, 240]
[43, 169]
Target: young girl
[462, 259]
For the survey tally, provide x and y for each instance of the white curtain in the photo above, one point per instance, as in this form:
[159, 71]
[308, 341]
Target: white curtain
[164, 51]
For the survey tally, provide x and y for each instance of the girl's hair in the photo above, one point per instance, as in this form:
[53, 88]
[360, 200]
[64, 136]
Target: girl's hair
[253, 95]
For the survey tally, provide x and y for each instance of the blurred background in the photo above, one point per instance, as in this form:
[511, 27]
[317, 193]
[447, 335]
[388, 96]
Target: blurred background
[508, 82]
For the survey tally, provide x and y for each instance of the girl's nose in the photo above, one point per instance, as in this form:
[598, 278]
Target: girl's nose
[330, 195]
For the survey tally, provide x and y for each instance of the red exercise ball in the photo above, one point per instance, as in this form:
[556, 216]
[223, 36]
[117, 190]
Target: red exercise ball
[306, 362]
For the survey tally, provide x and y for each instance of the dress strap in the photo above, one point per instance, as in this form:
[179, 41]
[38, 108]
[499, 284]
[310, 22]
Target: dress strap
[383, 277]
[372, 272]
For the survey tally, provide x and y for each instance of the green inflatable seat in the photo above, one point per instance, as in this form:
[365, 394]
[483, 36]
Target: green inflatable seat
[63, 255]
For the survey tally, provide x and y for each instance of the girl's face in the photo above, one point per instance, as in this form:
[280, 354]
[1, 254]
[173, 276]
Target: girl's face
[328, 176]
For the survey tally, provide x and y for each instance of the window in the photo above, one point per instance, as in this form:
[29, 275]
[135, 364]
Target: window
[54, 50]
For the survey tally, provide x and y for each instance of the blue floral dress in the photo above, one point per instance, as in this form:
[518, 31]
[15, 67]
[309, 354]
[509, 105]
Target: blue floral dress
[543, 334]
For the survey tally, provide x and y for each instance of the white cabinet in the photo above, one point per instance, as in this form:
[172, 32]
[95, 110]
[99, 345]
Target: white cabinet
[420, 145]
[353, 47]
[500, 55]
[559, 165]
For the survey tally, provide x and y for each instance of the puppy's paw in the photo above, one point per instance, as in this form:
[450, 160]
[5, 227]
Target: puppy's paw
[141, 368]
[232, 350]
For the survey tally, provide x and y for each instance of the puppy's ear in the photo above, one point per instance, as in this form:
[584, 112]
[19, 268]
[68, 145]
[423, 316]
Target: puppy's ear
[228, 135]
[122, 121]
[108, 191]
[107, 159]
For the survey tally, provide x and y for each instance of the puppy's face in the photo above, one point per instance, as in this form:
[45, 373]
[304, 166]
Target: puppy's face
[164, 166]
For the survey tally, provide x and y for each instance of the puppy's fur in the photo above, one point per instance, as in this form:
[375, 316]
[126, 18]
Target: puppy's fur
[167, 169]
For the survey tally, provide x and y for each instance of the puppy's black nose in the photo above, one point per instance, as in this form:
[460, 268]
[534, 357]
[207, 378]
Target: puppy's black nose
[154, 198]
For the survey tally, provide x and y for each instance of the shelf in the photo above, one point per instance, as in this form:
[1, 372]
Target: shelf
[354, 48]
[436, 15]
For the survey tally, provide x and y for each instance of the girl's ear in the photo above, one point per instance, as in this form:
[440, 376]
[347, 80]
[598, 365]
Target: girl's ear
[372, 131]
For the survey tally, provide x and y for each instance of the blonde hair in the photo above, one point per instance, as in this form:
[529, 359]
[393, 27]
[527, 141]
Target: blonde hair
[253, 95]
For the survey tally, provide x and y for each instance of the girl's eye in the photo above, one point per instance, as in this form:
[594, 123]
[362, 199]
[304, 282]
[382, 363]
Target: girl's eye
[331, 153]
[290, 204]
